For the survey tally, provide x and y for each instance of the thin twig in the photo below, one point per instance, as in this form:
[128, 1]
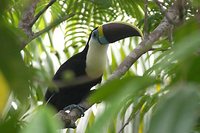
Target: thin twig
[41, 12]
[125, 124]
[136, 110]
[145, 19]
[170, 34]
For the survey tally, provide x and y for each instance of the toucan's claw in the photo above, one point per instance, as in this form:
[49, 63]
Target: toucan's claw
[74, 106]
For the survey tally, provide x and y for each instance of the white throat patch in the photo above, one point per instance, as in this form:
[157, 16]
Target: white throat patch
[96, 58]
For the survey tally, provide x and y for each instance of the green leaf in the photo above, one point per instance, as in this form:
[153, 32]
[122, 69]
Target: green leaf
[115, 94]
[187, 43]
[102, 3]
[10, 124]
[11, 62]
[177, 111]
[42, 122]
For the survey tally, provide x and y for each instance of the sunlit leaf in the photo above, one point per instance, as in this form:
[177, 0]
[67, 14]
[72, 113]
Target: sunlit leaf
[4, 93]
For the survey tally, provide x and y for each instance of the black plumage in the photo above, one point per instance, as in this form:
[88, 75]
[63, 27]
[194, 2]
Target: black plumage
[72, 94]
[94, 54]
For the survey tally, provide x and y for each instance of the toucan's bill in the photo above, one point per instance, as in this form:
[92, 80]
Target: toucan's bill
[112, 32]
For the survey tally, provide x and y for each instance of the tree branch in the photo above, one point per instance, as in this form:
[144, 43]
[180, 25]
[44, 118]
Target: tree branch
[168, 18]
[52, 25]
[70, 118]
[27, 17]
[28, 20]
[145, 19]
[41, 12]
[146, 45]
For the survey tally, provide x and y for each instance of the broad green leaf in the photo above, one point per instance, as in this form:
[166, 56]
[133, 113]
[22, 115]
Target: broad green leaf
[4, 93]
[42, 122]
[11, 62]
[177, 111]
[115, 94]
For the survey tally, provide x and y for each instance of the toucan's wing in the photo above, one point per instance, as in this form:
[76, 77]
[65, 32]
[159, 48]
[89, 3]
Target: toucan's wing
[71, 94]
[75, 65]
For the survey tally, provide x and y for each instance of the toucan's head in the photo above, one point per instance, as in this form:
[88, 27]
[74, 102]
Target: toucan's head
[97, 45]
[112, 32]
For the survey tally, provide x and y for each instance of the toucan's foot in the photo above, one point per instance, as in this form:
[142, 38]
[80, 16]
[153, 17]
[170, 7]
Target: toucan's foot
[74, 106]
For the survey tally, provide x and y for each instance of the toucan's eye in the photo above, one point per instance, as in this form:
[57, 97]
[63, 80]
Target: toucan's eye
[95, 34]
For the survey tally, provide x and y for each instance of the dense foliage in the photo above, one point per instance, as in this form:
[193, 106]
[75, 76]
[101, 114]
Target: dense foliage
[159, 94]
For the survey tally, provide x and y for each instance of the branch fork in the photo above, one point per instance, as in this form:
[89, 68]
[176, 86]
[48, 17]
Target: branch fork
[28, 20]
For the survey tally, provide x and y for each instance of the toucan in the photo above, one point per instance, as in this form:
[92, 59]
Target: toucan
[87, 66]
